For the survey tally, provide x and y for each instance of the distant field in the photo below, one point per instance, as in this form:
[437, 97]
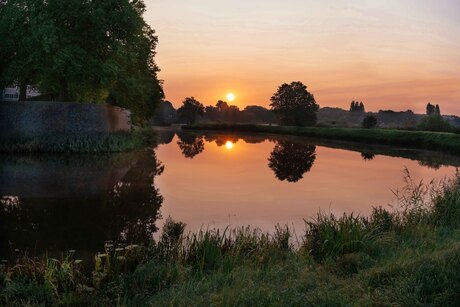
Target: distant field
[448, 142]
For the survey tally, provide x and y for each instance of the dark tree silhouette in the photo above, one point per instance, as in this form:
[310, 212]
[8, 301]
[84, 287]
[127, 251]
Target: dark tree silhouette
[165, 114]
[190, 145]
[290, 161]
[294, 105]
[433, 110]
[370, 121]
[356, 106]
[190, 110]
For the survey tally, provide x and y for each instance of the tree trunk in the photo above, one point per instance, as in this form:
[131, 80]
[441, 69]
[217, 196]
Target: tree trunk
[23, 90]
[64, 91]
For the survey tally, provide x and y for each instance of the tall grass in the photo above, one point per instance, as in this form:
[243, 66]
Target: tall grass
[80, 143]
[409, 255]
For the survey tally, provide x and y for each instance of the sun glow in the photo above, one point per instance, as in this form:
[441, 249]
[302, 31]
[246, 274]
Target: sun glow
[230, 96]
[229, 145]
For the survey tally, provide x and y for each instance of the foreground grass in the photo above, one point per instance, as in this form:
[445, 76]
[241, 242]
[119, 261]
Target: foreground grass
[448, 142]
[80, 143]
[410, 256]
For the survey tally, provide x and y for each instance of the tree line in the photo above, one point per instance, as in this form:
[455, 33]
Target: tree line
[86, 51]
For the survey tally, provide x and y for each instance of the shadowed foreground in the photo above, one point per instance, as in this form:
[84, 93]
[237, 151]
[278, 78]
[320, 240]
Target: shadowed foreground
[410, 255]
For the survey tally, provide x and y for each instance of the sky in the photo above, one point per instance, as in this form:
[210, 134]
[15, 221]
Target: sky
[390, 54]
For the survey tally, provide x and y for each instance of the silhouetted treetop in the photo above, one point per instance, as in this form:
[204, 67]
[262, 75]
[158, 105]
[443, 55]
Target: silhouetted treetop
[294, 105]
[190, 110]
[356, 106]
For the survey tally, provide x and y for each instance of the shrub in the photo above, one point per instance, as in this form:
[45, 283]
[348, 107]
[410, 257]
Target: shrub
[370, 121]
[435, 123]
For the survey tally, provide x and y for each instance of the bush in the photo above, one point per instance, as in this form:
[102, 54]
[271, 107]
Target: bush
[370, 121]
[435, 123]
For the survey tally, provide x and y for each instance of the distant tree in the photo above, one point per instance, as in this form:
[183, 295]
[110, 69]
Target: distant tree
[222, 106]
[437, 110]
[165, 114]
[257, 114]
[356, 106]
[290, 161]
[430, 109]
[294, 105]
[434, 122]
[370, 121]
[190, 110]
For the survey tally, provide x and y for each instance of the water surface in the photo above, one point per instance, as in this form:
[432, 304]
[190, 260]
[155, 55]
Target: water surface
[57, 203]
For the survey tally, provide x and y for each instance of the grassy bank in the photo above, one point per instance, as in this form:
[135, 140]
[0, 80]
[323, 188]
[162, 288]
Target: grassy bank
[80, 143]
[409, 256]
[447, 142]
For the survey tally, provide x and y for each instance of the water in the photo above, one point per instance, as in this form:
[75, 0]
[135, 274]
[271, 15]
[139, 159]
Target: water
[57, 203]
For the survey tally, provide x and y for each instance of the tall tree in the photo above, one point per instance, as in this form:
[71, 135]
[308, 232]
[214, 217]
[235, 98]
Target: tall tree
[82, 51]
[190, 110]
[430, 109]
[294, 105]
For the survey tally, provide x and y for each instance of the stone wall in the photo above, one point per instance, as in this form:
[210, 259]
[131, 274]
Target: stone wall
[35, 118]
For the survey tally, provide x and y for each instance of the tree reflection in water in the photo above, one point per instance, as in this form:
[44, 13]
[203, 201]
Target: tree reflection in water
[78, 203]
[191, 145]
[291, 160]
[367, 156]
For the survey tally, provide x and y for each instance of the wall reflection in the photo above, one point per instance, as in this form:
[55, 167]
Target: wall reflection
[58, 203]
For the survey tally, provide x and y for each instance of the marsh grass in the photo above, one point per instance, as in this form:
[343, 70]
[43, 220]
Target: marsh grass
[80, 143]
[406, 256]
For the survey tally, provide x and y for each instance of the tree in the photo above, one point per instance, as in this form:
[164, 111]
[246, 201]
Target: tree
[370, 121]
[25, 39]
[290, 161]
[437, 110]
[190, 110]
[430, 109]
[165, 114]
[294, 105]
[81, 51]
[356, 106]
[434, 122]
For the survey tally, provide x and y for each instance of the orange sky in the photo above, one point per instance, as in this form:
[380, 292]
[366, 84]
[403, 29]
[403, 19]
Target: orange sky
[397, 54]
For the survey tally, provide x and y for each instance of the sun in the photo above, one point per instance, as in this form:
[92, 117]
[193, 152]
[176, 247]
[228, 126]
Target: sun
[229, 145]
[230, 96]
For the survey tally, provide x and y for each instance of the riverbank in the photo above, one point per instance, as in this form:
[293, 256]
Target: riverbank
[97, 142]
[446, 142]
[409, 256]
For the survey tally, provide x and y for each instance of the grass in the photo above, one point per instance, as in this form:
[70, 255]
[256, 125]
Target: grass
[440, 141]
[80, 143]
[407, 256]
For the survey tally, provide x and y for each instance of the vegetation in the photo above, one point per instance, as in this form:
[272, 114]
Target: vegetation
[81, 143]
[370, 121]
[190, 110]
[433, 110]
[294, 105]
[88, 51]
[356, 106]
[435, 122]
[448, 142]
[409, 256]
